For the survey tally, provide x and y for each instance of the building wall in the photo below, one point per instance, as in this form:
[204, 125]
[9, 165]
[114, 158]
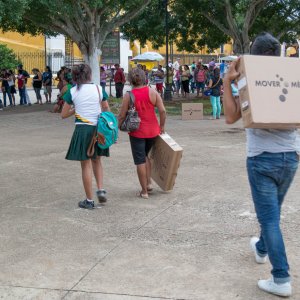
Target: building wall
[23, 43]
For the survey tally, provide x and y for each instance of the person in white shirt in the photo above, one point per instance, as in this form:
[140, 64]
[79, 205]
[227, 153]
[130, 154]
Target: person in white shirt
[88, 102]
[176, 64]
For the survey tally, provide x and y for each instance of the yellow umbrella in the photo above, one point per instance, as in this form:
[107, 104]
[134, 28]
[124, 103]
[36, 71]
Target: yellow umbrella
[149, 64]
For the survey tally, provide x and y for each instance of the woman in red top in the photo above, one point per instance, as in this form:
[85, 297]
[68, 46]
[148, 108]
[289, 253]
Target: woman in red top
[141, 140]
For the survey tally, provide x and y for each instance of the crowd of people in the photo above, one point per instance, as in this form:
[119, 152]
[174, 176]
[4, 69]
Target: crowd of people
[42, 82]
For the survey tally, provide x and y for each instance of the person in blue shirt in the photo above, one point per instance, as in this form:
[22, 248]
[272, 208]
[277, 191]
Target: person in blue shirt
[47, 84]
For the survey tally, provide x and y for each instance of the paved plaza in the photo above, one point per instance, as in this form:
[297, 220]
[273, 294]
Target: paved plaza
[189, 244]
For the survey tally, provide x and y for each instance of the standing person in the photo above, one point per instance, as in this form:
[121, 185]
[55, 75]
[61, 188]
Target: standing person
[209, 74]
[37, 85]
[21, 87]
[60, 76]
[146, 74]
[192, 80]
[176, 64]
[159, 75]
[215, 84]
[103, 77]
[142, 140]
[47, 84]
[119, 79]
[272, 162]
[88, 103]
[12, 85]
[200, 78]
[212, 63]
[177, 81]
[6, 77]
[26, 76]
[185, 80]
[170, 77]
[222, 69]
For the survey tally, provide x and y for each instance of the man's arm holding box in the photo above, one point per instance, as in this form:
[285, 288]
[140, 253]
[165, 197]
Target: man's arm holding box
[232, 109]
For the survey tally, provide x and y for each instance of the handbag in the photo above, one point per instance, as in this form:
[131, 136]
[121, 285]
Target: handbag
[132, 120]
[208, 92]
[91, 148]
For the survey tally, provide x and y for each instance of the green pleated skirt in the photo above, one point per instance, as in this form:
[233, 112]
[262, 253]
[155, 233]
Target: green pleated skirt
[80, 142]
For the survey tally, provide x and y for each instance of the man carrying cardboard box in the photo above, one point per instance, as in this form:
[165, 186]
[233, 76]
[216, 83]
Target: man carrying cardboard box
[272, 162]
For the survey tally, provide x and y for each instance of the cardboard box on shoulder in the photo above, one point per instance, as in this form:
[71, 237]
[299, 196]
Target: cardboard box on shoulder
[165, 159]
[192, 111]
[269, 89]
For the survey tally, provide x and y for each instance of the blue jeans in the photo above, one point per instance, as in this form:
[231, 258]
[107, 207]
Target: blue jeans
[7, 92]
[103, 84]
[216, 106]
[22, 96]
[270, 175]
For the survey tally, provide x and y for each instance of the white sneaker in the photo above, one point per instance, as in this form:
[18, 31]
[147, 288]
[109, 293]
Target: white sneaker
[269, 286]
[259, 259]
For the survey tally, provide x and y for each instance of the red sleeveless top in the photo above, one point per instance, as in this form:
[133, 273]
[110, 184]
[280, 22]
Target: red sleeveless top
[149, 127]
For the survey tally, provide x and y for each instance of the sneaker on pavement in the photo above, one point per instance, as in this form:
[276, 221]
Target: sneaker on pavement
[269, 286]
[86, 204]
[101, 194]
[259, 259]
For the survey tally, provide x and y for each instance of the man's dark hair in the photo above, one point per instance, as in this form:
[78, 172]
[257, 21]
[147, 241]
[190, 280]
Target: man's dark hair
[265, 44]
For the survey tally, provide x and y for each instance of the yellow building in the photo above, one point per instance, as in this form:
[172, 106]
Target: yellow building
[31, 49]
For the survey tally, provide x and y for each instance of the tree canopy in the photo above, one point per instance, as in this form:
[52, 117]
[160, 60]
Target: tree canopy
[8, 59]
[86, 22]
[196, 23]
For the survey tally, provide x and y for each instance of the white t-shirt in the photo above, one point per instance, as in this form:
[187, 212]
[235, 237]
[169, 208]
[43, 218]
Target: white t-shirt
[87, 103]
[176, 65]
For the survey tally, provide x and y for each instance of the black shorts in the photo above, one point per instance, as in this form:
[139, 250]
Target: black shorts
[140, 149]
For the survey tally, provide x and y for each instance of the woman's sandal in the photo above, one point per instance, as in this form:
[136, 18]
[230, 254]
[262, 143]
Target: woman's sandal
[144, 196]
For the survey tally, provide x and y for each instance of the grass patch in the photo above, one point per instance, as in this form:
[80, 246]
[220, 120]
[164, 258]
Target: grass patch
[173, 107]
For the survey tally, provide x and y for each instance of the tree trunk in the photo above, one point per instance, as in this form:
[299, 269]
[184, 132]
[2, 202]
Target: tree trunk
[241, 46]
[92, 59]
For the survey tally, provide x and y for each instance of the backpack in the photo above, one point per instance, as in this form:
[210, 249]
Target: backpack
[107, 130]
[201, 76]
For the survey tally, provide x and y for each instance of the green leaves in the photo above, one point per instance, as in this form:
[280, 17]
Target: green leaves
[8, 58]
[196, 23]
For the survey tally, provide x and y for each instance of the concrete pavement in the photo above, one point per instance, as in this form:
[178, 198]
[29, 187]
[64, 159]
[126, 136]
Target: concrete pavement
[191, 244]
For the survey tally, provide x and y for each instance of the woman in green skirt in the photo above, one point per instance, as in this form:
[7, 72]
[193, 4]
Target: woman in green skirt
[85, 100]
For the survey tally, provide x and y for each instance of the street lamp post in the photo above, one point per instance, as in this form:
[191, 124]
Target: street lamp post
[168, 90]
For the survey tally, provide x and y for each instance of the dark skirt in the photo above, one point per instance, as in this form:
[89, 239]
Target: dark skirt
[13, 89]
[80, 142]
